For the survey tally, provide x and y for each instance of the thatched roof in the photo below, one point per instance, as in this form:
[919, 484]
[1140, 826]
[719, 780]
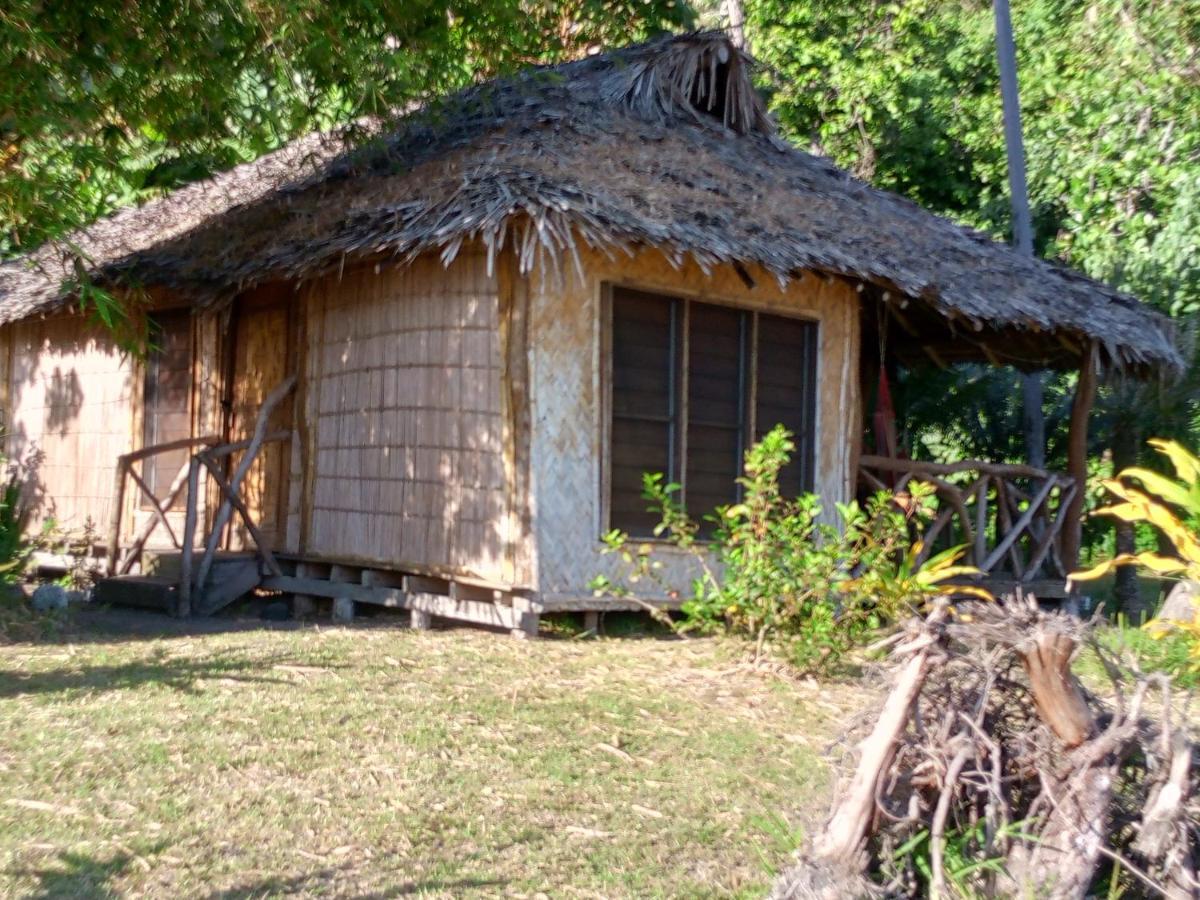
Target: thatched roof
[665, 144]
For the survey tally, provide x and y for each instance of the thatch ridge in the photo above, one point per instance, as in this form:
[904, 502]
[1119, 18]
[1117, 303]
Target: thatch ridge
[663, 144]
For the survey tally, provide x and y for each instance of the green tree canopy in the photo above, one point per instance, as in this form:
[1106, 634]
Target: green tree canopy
[105, 101]
[907, 95]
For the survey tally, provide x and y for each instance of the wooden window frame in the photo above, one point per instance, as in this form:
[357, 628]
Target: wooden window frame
[145, 369]
[749, 398]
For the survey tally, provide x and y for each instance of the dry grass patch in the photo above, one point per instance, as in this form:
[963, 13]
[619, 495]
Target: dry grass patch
[376, 761]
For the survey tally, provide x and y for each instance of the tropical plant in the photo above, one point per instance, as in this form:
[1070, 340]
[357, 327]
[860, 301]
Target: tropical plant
[1172, 505]
[778, 572]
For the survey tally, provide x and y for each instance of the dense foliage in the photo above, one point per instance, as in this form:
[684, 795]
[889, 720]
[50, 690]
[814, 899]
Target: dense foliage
[907, 95]
[1172, 506]
[101, 103]
[775, 571]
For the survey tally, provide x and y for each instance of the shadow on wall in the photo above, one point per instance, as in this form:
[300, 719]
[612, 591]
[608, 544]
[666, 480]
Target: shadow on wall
[64, 400]
[69, 409]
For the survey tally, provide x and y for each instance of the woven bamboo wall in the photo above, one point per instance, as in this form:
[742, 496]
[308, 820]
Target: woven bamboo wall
[567, 452]
[70, 405]
[403, 380]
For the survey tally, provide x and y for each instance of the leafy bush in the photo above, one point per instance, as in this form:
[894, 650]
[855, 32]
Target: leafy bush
[775, 571]
[14, 549]
[1168, 650]
[1173, 507]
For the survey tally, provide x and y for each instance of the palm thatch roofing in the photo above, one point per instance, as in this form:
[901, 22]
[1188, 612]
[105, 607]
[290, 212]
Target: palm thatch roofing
[664, 144]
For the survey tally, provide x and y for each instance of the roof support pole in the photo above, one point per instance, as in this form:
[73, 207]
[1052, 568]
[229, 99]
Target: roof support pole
[1077, 445]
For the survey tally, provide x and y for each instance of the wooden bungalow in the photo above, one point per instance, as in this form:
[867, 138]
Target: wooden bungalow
[474, 333]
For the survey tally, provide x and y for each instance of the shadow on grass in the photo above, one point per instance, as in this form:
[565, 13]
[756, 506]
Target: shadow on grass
[181, 674]
[80, 875]
[320, 883]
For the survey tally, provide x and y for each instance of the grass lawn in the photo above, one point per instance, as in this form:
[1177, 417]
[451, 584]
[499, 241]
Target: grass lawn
[370, 761]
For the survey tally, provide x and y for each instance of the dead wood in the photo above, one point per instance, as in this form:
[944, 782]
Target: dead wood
[988, 742]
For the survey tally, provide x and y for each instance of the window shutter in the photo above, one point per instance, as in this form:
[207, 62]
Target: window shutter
[644, 407]
[786, 392]
[716, 407]
[167, 391]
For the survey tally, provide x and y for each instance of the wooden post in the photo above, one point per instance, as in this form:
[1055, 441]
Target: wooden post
[1077, 439]
[114, 520]
[184, 608]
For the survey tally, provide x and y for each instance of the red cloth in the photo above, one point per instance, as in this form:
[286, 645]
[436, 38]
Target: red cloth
[885, 418]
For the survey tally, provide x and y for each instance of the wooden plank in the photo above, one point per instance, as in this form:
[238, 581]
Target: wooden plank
[318, 587]
[168, 446]
[219, 450]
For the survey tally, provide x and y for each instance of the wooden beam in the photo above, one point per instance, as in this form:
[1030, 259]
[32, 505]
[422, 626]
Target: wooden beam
[921, 467]
[168, 446]
[114, 522]
[155, 507]
[1077, 439]
[184, 607]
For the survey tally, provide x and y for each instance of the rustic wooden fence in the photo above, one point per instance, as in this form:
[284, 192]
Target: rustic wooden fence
[193, 577]
[1012, 519]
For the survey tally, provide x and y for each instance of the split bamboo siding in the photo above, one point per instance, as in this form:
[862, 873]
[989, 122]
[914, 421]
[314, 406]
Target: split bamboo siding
[568, 359]
[405, 387]
[69, 407]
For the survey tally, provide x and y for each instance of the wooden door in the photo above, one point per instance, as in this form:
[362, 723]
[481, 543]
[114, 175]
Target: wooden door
[262, 357]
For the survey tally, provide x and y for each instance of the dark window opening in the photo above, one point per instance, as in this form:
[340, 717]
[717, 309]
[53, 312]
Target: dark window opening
[692, 385]
[166, 392]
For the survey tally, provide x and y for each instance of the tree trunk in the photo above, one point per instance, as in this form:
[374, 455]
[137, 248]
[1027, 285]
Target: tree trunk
[736, 13]
[1033, 419]
[1125, 443]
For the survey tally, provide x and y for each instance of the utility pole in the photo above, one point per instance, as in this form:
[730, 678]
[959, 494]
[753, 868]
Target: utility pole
[1033, 420]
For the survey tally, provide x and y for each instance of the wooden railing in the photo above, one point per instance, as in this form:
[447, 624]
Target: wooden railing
[1012, 519]
[118, 565]
[193, 578]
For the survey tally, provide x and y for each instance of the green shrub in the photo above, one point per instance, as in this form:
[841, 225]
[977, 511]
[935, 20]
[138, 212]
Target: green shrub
[14, 549]
[777, 573]
[1171, 650]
